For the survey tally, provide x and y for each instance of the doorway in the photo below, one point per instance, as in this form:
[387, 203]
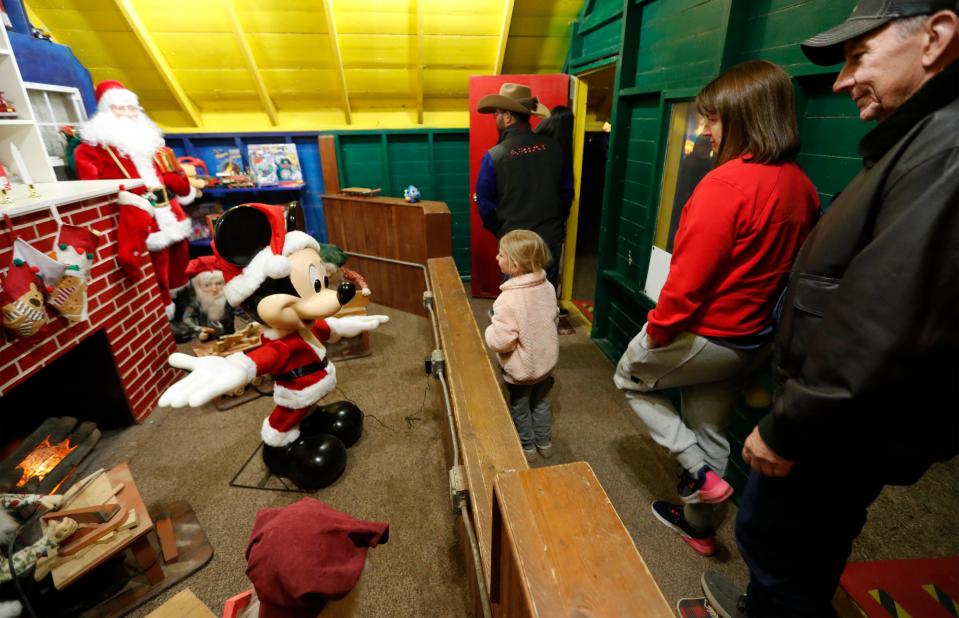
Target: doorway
[581, 264]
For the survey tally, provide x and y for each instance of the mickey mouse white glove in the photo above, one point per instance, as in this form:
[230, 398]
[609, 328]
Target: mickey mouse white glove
[210, 377]
[354, 325]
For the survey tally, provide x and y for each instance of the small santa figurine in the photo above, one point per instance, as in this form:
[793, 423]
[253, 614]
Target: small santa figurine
[119, 142]
[207, 315]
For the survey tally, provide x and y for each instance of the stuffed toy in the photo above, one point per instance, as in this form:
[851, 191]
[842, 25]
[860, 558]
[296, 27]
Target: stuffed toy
[411, 194]
[278, 278]
[32, 554]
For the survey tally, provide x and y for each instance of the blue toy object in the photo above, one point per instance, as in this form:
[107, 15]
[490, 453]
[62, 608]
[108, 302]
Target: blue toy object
[411, 194]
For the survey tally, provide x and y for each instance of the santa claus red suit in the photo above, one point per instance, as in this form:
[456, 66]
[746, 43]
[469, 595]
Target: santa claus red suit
[119, 142]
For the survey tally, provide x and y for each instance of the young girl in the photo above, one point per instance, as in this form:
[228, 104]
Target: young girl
[523, 334]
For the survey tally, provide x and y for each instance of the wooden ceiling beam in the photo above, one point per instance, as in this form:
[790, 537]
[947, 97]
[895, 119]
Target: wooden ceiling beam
[156, 57]
[420, 60]
[337, 57]
[503, 36]
[254, 69]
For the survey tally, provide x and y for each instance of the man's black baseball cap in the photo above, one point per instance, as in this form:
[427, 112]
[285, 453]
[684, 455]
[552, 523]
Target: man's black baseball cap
[827, 48]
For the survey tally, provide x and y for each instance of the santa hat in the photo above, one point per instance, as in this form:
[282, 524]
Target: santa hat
[302, 555]
[252, 244]
[82, 240]
[204, 268]
[111, 92]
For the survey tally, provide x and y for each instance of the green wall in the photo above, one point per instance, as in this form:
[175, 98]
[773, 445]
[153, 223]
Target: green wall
[435, 161]
[596, 34]
[669, 49]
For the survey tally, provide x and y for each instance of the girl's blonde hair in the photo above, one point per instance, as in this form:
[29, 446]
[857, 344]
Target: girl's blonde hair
[525, 250]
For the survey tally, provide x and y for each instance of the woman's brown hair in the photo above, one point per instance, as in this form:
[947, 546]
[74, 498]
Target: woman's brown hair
[755, 103]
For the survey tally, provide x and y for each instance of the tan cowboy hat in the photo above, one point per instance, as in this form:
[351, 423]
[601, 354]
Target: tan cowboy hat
[513, 98]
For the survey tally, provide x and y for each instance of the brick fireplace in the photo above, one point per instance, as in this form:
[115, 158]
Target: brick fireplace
[129, 314]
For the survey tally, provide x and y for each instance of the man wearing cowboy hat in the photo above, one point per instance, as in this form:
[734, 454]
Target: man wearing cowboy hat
[867, 345]
[523, 183]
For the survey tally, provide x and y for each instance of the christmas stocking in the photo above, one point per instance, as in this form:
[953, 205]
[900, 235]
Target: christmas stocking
[31, 275]
[21, 300]
[75, 248]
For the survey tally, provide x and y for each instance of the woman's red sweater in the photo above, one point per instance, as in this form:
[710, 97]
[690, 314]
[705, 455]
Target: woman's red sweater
[738, 236]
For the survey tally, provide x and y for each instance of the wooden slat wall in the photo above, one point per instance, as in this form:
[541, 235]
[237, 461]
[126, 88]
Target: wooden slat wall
[389, 228]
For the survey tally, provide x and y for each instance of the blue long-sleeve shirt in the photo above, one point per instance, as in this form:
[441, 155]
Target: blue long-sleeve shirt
[486, 197]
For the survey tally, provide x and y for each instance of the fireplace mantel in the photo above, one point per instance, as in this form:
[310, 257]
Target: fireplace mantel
[129, 312]
[59, 193]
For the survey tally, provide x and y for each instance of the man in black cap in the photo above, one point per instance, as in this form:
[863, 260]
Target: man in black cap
[866, 352]
[523, 183]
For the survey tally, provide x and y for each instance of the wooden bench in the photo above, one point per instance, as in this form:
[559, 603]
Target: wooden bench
[540, 551]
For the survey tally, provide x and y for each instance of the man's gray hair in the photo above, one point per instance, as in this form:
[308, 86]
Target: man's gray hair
[908, 26]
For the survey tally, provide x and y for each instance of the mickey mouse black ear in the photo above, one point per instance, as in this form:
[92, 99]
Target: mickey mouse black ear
[240, 233]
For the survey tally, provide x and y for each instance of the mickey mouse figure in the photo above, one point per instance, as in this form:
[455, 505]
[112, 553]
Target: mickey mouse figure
[278, 278]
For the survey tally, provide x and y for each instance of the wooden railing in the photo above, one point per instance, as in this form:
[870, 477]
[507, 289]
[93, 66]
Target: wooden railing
[550, 542]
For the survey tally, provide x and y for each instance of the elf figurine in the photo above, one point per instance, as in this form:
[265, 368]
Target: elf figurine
[277, 277]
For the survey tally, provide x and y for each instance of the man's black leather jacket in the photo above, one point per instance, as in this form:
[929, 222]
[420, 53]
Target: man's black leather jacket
[867, 353]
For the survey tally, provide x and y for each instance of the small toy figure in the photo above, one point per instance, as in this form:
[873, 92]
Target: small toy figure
[5, 106]
[335, 261]
[278, 278]
[411, 194]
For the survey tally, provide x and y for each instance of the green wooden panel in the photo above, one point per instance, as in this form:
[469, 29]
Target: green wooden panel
[773, 29]
[435, 161]
[409, 163]
[361, 161]
[680, 42]
[830, 130]
[596, 35]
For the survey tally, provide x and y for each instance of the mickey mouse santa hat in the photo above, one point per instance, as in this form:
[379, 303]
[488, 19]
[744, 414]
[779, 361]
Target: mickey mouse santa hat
[263, 227]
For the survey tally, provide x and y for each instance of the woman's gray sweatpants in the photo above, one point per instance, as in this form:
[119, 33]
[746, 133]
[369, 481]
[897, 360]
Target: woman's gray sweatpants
[709, 378]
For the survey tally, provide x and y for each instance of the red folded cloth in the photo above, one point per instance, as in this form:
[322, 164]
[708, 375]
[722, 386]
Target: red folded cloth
[302, 555]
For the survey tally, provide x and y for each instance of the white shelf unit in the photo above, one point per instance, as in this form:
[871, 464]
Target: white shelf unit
[21, 131]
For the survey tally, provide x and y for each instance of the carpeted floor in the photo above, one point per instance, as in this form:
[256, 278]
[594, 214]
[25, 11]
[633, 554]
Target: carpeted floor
[396, 473]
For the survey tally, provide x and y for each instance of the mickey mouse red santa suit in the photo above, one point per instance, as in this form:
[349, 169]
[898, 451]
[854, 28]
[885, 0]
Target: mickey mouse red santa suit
[119, 141]
[278, 278]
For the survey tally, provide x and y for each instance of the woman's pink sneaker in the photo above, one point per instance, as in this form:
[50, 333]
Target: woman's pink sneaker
[706, 487]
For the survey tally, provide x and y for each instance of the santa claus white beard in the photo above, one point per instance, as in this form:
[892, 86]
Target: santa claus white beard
[137, 138]
[213, 305]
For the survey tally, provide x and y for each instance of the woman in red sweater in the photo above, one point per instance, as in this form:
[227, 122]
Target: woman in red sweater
[737, 238]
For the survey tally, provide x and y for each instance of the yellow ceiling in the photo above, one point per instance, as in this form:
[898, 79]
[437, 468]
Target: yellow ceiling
[286, 65]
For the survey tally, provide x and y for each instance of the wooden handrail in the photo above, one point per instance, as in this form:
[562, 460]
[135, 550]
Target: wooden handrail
[551, 544]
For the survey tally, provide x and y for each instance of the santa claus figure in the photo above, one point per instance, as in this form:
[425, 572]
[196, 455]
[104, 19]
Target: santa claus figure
[119, 142]
[207, 314]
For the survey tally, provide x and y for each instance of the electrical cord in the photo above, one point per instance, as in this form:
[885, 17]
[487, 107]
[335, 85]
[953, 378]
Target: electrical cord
[13, 573]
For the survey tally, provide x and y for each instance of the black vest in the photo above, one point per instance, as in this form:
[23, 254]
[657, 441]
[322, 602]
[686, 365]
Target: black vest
[529, 170]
